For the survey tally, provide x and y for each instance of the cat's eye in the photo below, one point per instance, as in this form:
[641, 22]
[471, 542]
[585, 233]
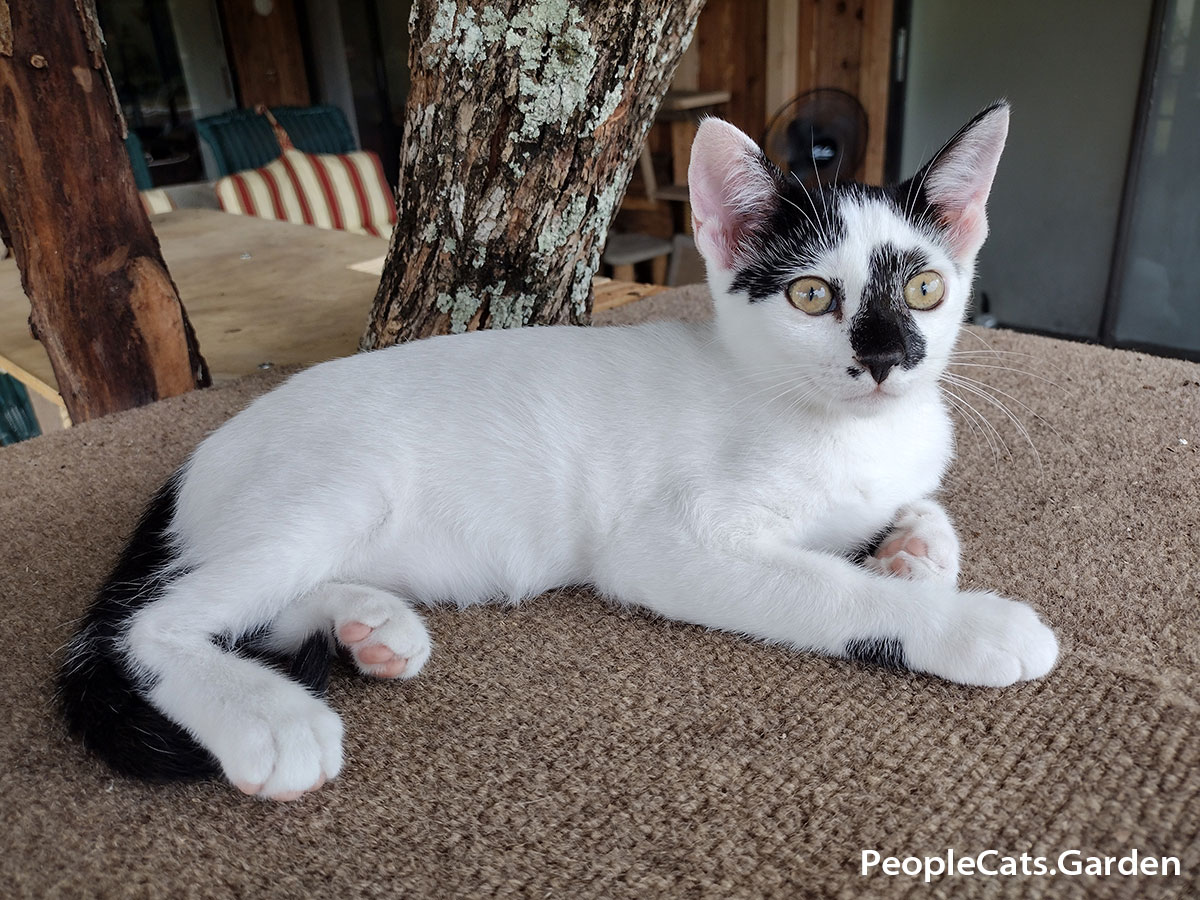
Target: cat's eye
[810, 295]
[925, 291]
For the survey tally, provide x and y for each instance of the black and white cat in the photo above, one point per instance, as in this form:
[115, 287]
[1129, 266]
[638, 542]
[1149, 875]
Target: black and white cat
[726, 474]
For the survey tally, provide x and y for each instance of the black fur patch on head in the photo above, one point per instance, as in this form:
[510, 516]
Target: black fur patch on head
[803, 224]
[883, 333]
[887, 653]
[911, 202]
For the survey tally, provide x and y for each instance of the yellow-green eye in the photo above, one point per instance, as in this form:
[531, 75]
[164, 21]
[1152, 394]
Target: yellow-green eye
[925, 291]
[810, 295]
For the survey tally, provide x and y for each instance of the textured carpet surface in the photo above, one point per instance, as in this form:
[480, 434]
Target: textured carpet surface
[569, 749]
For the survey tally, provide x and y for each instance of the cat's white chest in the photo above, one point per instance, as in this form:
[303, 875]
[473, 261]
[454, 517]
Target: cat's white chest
[838, 486]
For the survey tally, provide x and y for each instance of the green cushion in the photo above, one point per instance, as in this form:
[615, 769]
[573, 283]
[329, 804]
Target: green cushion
[137, 158]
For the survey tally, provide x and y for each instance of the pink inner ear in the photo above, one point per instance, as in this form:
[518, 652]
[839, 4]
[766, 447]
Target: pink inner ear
[731, 192]
[969, 229]
[960, 180]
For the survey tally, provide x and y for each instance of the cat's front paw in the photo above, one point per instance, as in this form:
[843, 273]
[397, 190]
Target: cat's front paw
[985, 640]
[920, 545]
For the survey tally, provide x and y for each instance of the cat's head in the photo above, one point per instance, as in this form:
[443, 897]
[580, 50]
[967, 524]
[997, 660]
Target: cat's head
[856, 291]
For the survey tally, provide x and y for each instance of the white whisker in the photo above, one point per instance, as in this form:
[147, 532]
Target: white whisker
[971, 387]
[970, 415]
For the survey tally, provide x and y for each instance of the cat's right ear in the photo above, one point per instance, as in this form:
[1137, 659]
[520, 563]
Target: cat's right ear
[732, 190]
[957, 181]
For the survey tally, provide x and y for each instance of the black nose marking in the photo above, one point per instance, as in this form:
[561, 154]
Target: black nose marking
[879, 364]
[883, 333]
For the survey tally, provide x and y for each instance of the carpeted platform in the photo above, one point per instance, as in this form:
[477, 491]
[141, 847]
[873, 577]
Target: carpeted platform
[568, 749]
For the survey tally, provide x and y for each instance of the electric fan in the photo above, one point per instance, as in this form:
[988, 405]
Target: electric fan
[819, 137]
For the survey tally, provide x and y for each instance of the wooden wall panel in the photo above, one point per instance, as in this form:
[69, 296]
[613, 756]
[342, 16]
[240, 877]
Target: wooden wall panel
[731, 41]
[266, 53]
[783, 53]
[847, 44]
[766, 52]
[874, 83]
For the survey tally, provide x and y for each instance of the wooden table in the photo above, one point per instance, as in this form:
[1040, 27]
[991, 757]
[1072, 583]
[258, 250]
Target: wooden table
[257, 292]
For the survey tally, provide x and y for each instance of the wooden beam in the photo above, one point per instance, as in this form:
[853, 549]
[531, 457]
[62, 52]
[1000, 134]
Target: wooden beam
[267, 54]
[783, 53]
[103, 303]
[875, 82]
[731, 40]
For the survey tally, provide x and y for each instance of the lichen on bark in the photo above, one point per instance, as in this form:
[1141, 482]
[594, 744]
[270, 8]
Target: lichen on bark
[523, 125]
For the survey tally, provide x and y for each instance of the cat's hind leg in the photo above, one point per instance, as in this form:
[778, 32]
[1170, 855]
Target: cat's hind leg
[268, 734]
[920, 545]
[381, 631]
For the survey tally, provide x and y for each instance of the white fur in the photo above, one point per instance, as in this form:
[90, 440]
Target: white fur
[717, 474]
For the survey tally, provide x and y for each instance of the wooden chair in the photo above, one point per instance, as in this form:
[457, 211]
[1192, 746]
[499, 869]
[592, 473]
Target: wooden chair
[682, 110]
[623, 251]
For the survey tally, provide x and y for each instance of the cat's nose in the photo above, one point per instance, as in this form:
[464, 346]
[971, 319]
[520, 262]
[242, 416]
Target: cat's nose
[879, 364]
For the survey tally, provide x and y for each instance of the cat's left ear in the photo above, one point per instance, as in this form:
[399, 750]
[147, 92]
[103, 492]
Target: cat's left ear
[733, 191]
[957, 181]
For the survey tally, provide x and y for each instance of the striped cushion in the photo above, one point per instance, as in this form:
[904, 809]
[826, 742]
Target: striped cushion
[346, 191]
[156, 201]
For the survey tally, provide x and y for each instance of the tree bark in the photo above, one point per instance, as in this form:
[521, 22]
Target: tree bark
[524, 121]
[103, 303]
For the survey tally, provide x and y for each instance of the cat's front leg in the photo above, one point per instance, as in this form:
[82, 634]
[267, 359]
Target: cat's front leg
[921, 545]
[812, 600]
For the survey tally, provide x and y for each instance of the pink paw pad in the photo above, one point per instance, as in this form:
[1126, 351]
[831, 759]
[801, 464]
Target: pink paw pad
[382, 661]
[913, 546]
[283, 796]
[353, 632]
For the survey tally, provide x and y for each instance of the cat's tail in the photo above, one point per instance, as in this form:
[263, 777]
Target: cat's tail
[103, 696]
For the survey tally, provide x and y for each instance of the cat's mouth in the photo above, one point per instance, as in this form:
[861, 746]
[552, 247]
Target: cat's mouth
[875, 396]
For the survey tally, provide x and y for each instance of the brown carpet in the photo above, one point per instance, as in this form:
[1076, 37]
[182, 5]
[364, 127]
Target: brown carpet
[568, 749]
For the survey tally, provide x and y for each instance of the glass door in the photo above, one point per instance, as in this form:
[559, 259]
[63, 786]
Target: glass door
[376, 45]
[1155, 298]
[1071, 69]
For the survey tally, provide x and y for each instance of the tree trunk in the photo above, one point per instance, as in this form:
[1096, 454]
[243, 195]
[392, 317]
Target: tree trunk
[524, 121]
[103, 303]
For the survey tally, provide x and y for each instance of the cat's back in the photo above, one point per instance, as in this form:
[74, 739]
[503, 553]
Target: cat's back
[480, 375]
[496, 393]
[549, 418]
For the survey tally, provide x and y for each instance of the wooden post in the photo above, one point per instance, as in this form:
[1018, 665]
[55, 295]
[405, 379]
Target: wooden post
[524, 121]
[103, 303]
[266, 52]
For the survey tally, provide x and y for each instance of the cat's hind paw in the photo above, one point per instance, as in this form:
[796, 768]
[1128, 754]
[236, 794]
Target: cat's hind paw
[285, 756]
[271, 737]
[921, 545]
[386, 638]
